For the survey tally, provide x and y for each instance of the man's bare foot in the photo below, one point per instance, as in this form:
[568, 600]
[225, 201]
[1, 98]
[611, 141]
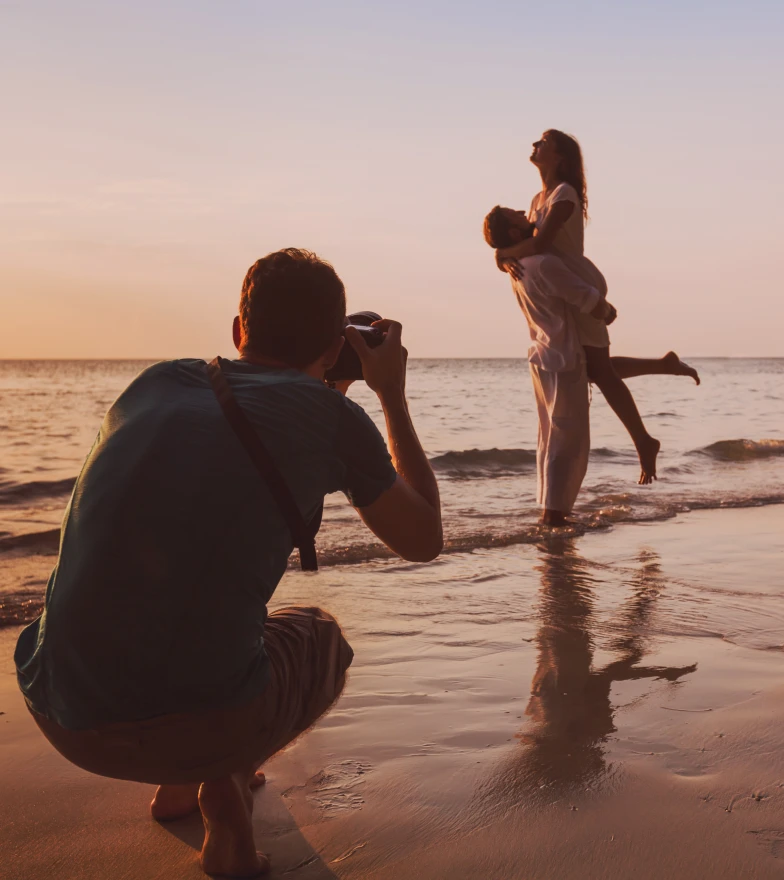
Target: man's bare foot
[175, 802]
[229, 849]
[648, 452]
[554, 518]
[676, 367]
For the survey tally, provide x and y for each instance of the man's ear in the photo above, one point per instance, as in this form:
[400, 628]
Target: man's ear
[331, 355]
[236, 333]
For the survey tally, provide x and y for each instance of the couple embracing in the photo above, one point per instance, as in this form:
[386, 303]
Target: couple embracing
[563, 296]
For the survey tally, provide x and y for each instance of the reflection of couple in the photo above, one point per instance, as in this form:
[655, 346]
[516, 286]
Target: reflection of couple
[563, 297]
[570, 706]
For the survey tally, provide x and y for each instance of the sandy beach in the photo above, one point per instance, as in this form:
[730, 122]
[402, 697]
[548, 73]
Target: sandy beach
[609, 707]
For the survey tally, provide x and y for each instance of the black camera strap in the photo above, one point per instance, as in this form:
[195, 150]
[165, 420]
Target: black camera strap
[303, 533]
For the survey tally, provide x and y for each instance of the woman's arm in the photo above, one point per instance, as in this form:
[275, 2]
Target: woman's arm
[524, 248]
[543, 238]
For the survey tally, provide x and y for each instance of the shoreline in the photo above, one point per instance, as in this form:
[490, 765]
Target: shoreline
[650, 747]
[25, 574]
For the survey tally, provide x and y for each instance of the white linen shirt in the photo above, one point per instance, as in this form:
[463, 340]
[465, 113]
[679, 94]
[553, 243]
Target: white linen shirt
[547, 295]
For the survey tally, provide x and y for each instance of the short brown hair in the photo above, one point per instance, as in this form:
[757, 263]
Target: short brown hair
[292, 307]
[497, 227]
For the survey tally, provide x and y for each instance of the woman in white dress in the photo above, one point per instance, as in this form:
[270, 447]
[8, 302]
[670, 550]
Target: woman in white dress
[559, 212]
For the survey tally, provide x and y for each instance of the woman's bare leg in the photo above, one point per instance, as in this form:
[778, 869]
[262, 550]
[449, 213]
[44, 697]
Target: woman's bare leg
[601, 371]
[669, 365]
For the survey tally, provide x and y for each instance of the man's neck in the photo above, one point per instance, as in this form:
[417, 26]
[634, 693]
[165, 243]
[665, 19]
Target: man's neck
[316, 370]
[263, 361]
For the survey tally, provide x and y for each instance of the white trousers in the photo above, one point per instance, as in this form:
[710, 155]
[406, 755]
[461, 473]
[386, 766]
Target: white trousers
[564, 435]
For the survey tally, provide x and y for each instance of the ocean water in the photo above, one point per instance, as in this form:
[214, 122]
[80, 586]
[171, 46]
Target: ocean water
[722, 446]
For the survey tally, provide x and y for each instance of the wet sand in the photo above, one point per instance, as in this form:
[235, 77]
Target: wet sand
[609, 707]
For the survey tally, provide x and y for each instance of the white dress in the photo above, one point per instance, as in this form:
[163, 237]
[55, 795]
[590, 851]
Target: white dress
[568, 246]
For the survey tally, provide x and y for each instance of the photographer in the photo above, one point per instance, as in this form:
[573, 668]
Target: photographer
[155, 659]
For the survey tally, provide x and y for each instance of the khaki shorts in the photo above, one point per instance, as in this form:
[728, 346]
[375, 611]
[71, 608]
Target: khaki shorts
[308, 658]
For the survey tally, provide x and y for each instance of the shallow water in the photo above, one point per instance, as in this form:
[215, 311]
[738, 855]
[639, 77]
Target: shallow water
[541, 679]
[722, 445]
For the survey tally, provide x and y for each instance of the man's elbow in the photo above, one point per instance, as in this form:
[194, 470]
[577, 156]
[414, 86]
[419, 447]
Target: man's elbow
[425, 550]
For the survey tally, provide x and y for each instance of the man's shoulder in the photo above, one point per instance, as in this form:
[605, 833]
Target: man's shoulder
[172, 368]
[162, 382]
[351, 410]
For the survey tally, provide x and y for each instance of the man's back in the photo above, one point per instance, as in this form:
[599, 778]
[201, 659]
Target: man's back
[547, 295]
[172, 544]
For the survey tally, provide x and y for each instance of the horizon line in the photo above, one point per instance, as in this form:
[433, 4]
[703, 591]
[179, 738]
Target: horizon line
[702, 357]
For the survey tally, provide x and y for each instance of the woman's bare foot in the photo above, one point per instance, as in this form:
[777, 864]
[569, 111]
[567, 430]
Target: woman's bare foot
[229, 849]
[175, 802]
[676, 367]
[648, 451]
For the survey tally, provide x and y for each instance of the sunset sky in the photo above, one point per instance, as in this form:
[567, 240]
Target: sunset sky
[152, 151]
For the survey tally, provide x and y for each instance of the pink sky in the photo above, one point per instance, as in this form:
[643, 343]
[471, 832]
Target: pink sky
[151, 156]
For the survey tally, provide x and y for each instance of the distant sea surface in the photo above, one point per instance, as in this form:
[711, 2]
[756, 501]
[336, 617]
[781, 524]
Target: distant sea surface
[722, 446]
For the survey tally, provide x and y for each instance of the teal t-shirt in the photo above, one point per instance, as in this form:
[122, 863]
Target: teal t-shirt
[172, 546]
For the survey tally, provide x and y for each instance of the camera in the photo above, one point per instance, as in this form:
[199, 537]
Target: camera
[348, 365]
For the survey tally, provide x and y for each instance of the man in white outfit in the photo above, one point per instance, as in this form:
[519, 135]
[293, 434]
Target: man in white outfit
[548, 294]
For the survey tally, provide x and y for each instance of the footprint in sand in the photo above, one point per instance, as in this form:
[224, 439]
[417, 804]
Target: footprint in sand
[333, 790]
[772, 840]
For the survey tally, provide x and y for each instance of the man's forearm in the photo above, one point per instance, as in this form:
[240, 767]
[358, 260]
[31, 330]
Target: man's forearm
[408, 456]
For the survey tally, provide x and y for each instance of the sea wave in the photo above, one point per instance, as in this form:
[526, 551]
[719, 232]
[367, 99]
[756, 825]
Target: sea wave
[461, 464]
[44, 542]
[484, 462]
[603, 513]
[742, 450]
[13, 493]
[489, 463]
[607, 452]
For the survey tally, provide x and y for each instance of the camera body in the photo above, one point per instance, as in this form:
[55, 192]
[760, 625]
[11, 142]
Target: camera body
[348, 365]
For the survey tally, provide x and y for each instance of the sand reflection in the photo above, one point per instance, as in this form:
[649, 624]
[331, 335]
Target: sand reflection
[570, 710]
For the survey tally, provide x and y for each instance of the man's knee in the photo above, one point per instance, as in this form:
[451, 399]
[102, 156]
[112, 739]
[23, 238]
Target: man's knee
[345, 653]
[305, 611]
[327, 631]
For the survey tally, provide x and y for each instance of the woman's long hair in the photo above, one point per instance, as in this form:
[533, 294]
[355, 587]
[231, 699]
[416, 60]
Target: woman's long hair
[570, 167]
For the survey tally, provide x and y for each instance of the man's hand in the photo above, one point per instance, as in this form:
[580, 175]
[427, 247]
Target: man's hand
[407, 517]
[515, 270]
[512, 267]
[383, 367]
[604, 311]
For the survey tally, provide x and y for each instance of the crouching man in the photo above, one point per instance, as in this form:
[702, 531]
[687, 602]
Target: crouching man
[155, 659]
